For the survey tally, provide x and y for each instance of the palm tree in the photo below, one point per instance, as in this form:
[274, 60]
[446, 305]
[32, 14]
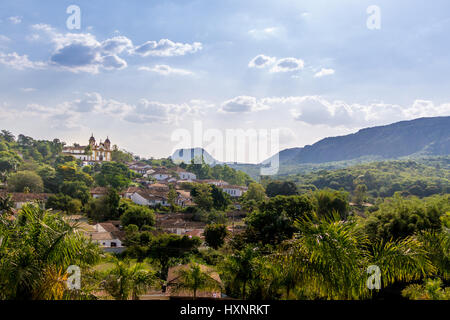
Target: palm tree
[127, 280]
[239, 269]
[6, 203]
[36, 248]
[195, 278]
[332, 256]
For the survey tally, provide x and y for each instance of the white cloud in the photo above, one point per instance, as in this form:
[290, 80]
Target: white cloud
[18, 62]
[117, 45]
[288, 65]
[82, 52]
[281, 65]
[166, 48]
[28, 89]
[265, 32]
[113, 62]
[261, 61]
[95, 103]
[166, 70]
[153, 111]
[15, 20]
[243, 104]
[324, 72]
[316, 110]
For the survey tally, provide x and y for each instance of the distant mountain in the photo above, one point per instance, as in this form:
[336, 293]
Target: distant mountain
[186, 155]
[420, 137]
[425, 136]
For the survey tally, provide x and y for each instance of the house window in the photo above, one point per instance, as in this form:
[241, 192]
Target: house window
[113, 245]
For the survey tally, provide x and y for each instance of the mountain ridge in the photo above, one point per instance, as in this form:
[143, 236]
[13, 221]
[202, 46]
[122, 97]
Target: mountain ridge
[427, 136]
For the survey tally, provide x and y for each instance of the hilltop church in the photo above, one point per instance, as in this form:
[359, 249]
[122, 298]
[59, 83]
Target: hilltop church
[92, 153]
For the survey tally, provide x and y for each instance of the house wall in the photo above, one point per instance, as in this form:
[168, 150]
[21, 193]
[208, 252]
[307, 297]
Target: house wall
[187, 176]
[138, 199]
[233, 192]
[159, 176]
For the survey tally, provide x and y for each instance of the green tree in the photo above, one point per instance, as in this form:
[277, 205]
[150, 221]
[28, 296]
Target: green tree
[215, 235]
[398, 218]
[64, 203]
[273, 222]
[106, 207]
[330, 255]
[221, 200]
[360, 193]
[278, 188]
[255, 192]
[239, 269]
[169, 249]
[6, 203]
[201, 193]
[7, 136]
[194, 278]
[172, 197]
[36, 249]
[430, 290]
[139, 216]
[115, 175]
[121, 156]
[76, 189]
[126, 280]
[18, 182]
[329, 201]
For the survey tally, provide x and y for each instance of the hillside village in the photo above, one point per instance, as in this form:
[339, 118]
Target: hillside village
[150, 186]
[171, 221]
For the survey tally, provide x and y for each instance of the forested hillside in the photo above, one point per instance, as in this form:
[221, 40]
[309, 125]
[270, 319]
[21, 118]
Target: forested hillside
[421, 177]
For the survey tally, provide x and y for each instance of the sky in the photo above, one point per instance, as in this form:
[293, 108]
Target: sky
[144, 72]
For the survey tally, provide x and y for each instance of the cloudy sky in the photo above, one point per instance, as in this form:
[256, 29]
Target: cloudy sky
[139, 71]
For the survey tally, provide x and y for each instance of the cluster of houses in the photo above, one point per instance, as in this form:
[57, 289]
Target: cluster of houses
[154, 192]
[178, 175]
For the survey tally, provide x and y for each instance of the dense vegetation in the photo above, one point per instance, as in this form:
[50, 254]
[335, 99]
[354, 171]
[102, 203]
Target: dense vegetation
[421, 178]
[308, 236]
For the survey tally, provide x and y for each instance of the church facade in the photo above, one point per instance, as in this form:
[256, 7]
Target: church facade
[92, 153]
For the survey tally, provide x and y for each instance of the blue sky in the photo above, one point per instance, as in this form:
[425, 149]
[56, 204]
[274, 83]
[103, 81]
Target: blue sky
[138, 70]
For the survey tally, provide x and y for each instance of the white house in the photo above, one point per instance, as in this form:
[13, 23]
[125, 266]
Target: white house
[107, 235]
[98, 192]
[145, 198]
[129, 192]
[185, 175]
[234, 191]
[140, 168]
[161, 175]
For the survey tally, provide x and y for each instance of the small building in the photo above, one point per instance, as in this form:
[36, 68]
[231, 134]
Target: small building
[150, 198]
[108, 236]
[20, 199]
[98, 192]
[234, 191]
[161, 174]
[141, 168]
[185, 175]
[129, 192]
